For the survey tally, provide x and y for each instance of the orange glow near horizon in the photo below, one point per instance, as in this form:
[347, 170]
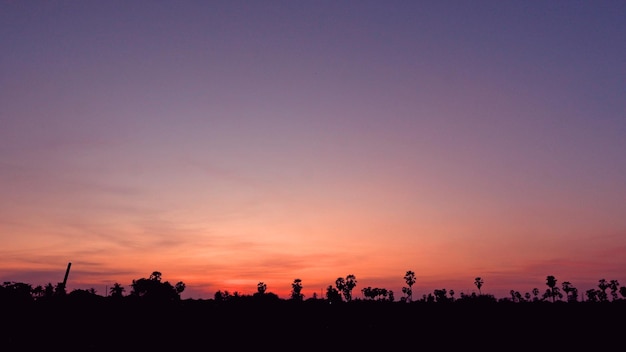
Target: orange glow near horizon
[439, 260]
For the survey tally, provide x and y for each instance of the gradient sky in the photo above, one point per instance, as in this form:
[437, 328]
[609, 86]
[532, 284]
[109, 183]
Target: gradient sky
[224, 143]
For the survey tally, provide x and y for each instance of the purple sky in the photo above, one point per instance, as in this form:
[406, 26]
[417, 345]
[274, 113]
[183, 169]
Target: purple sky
[225, 143]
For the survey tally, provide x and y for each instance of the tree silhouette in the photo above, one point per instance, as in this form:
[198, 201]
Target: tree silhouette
[614, 286]
[48, 290]
[368, 292]
[440, 295]
[405, 292]
[333, 295]
[551, 282]
[155, 276]
[379, 294]
[155, 290]
[296, 288]
[574, 295]
[592, 295]
[261, 287]
[516, 296]
[84, 296]
[478, 281]
[117, 290]
[345, 286]
[17, 291]
[553, 290]
[59, 289]
[409, 278]
[180, 287]
[221, 296]
[350, 284]
[340, 284]
[569, 291]
[603, 285]
[38, 292]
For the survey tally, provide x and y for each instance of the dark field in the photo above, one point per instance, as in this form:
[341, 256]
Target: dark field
[203, 325]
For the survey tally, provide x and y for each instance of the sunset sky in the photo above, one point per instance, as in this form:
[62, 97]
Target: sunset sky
[227, 143]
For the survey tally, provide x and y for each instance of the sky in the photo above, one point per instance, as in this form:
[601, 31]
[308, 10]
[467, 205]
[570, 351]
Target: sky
[227, 143]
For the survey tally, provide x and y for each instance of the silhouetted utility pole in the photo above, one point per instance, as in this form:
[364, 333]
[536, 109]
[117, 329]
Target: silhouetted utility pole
[67, 272]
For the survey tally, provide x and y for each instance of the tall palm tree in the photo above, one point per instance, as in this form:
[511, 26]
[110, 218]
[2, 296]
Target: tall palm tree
[567, 288]
[551, 282]
[350, 285]
[296, 288]
[117, 290]
[340, 283]
[409, 278]
[478, 281]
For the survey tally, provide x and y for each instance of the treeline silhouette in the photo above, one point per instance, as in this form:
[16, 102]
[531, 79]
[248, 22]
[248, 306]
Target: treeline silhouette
[152, 316]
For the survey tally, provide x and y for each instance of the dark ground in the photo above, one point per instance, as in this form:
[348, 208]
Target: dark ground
[202, 325]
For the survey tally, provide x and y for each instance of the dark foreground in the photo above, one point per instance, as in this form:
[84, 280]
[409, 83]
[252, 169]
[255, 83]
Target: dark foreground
[201, 325]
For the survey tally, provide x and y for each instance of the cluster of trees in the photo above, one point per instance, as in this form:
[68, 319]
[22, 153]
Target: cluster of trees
[554, 293]
[155, 289]
[152, 316]
[151, 288]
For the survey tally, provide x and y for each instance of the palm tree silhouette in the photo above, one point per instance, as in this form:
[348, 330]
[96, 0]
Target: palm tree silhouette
[296, 287]
[567, 288]
[553, 290]
[350, 285]
[117, 290]
[409, 278]
[536, 294]
[478, 281]
[340, 284]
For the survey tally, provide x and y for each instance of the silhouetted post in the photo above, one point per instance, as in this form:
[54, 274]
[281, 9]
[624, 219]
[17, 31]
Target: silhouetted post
[67, 272]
